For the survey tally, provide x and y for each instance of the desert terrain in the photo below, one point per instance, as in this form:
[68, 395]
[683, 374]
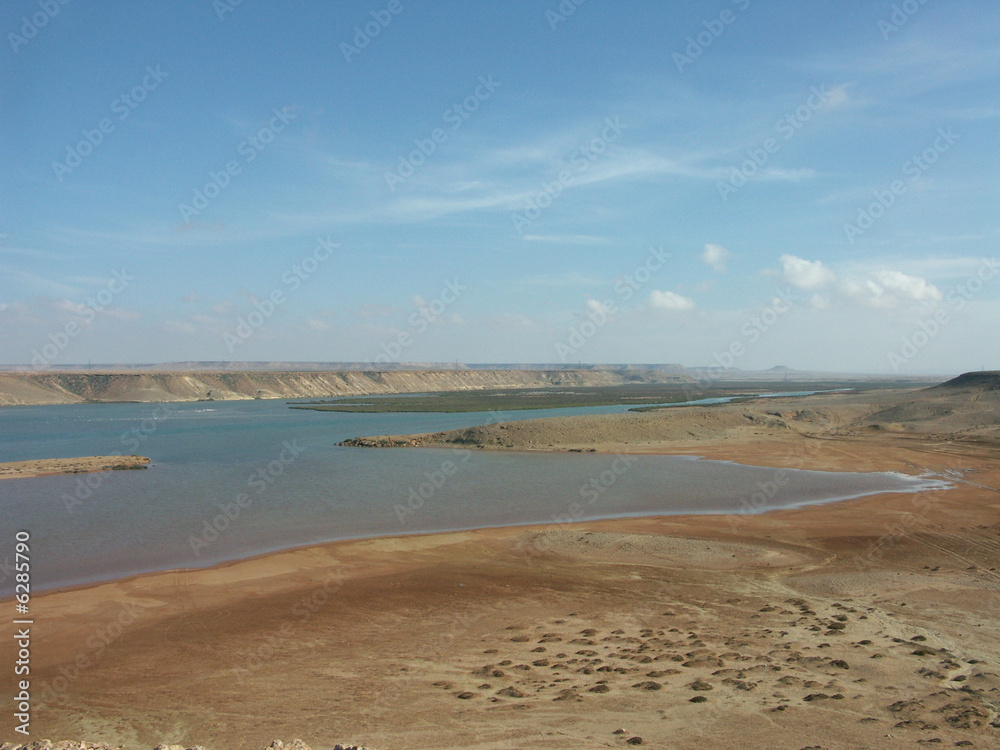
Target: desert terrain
[870, 623]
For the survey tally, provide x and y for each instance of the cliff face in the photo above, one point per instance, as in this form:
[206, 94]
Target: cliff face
[74, 387]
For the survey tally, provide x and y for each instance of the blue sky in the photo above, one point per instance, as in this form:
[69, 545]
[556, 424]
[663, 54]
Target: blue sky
[736, 182]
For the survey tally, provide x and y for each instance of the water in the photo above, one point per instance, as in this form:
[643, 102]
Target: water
[234, 479]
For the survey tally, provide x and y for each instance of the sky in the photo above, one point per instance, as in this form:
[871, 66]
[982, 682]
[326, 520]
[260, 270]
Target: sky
[730, 182]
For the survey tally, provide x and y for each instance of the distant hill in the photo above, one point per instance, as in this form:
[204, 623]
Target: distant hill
[968, 406]
[75, 387]
[987, 380]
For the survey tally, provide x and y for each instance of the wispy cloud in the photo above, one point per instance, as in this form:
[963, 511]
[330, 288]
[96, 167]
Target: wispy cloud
[566, 239]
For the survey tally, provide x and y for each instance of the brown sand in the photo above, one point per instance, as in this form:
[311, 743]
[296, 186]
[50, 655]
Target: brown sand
[868, 623]
[44, 467]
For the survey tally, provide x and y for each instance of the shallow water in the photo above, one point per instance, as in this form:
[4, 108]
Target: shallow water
[233, 479]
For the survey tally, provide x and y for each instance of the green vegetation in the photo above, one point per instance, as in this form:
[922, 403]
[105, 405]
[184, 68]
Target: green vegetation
[639, 395]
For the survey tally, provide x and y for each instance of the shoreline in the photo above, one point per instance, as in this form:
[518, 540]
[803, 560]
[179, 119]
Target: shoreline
[528, 526]
[943, 485]
[854, 619]
[720, 453]
[680, 518]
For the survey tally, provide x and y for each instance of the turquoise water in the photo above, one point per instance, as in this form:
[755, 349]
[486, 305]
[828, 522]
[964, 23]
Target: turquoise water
[233, 479]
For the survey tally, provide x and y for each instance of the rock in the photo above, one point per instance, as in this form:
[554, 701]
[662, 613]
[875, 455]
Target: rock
[510, 692]
[637, 740]
[648, 685]
[567, 695]
[700, 685]
[698, 699]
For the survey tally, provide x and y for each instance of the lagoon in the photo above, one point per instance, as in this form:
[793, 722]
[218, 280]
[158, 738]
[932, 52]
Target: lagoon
[230, 480]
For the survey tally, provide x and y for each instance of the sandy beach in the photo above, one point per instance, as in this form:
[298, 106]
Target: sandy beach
[865, 623]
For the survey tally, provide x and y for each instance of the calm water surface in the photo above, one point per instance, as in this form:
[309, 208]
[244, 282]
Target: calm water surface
[234, 479]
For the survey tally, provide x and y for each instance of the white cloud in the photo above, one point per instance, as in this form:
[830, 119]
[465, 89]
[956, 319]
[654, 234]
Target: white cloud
[715, 256]
[598, 308]
[838, 96]
[890, 289]
[806, 274]
[882, 288]
[911, 287]
[670, 301]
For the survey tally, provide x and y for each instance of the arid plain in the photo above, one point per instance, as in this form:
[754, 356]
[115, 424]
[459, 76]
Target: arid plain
[868, 623]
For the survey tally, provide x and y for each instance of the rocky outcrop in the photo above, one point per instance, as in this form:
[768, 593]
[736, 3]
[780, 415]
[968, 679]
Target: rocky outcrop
[76, 387]
[379, 441]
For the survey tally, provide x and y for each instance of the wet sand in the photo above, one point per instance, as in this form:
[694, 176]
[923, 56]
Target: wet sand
[866, 623]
